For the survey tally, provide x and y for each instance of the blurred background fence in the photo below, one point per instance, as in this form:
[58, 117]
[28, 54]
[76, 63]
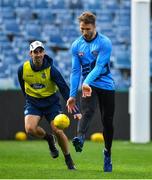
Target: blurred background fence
[12, 119]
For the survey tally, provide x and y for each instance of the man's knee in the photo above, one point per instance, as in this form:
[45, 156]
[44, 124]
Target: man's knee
[57, 132]
[30, 129]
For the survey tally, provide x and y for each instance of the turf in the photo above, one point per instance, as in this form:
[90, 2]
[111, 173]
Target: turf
[31, 160]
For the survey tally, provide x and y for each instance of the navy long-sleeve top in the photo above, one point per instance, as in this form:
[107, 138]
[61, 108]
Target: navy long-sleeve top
[55, 76]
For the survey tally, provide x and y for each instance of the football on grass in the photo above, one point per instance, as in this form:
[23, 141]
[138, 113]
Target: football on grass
[97, 137]
[61, 121]
[20, 136]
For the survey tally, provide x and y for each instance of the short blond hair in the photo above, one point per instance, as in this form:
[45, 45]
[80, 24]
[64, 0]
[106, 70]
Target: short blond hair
[87, 17]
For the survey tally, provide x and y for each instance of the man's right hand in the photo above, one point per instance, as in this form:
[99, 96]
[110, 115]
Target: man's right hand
[71, 105]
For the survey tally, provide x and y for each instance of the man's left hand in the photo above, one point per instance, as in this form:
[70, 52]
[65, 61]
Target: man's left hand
[86, 90]
[78, 116]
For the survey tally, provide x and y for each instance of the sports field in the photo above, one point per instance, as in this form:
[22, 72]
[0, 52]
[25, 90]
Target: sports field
[31, 160]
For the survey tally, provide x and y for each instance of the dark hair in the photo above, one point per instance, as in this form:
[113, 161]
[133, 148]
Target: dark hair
[87, 17]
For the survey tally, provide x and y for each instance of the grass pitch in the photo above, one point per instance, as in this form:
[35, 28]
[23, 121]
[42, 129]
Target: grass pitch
[31, 160]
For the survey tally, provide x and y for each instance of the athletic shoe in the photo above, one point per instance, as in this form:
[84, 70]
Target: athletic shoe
[70, 164]
[107, 162]
[78, 143]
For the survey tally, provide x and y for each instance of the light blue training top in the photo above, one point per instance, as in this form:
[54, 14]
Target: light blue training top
[91, 59]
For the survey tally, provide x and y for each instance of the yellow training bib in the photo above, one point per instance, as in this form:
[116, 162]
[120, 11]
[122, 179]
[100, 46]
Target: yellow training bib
[38, 84]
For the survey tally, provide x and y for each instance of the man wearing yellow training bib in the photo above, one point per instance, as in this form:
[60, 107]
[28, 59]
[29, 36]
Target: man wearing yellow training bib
[41, 82]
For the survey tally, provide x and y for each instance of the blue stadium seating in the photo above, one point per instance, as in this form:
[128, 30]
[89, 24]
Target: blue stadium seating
[22, 3]
[57, 4]
[6, 3]
[122, 61]
[23, 14]
[39, 4]
[11, 27]
[45, 16]
[32, 31]
[55, 23]
[7, 13]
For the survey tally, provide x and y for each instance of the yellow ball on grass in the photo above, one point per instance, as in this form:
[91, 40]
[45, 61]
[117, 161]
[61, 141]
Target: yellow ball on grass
[21, 136]
[97, 137]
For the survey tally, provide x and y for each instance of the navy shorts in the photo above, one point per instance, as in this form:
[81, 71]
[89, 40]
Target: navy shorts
[48, 112]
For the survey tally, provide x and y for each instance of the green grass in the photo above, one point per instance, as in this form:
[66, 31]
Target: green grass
[31, 160]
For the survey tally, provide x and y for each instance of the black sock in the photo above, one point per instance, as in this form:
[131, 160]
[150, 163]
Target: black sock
[68, 157]
[48, 137]
[69, 162]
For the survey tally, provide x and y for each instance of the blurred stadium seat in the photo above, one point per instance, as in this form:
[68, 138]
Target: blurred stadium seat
[22, 3]
[44, 16]
[7, 13]
[32, 31]
[55, 23]
[23, 14]
[122, 60]
[11, 27]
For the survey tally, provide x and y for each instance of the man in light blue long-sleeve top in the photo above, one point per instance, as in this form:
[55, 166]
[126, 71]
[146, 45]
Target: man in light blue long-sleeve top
[91, 58]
